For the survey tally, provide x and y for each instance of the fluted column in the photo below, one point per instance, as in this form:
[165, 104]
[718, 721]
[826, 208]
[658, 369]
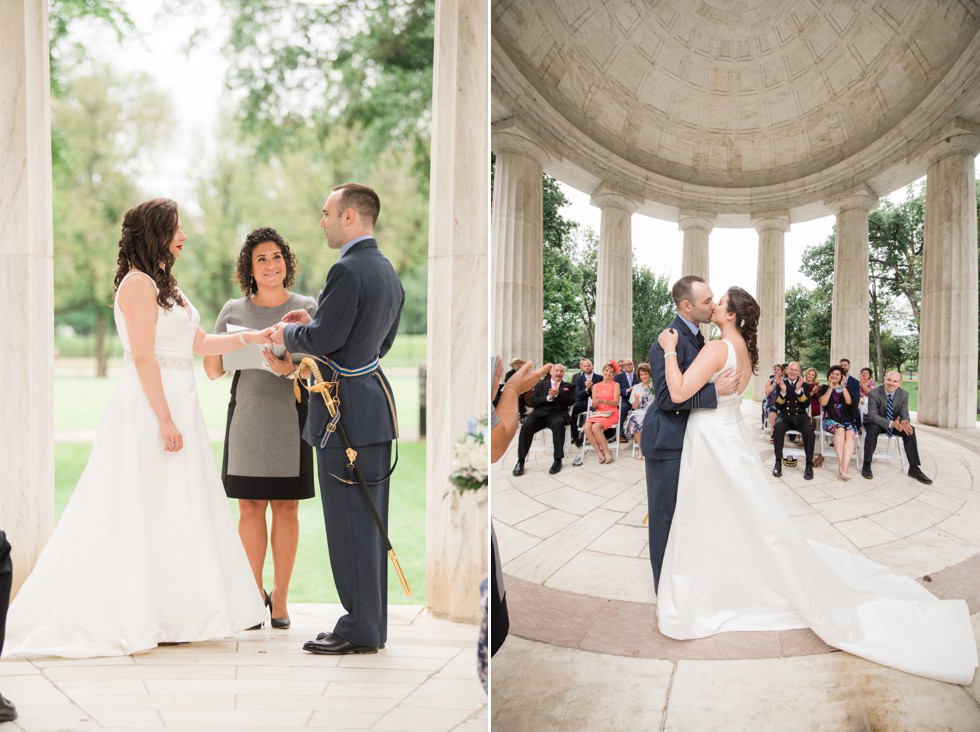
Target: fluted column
[614, 277]
[850, 321]
[517, 245]
[697, 227]
[948, 327]
[459, 375]
[26, 284]
[771, 296]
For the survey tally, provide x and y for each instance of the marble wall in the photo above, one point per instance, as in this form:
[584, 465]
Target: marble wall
[458, 387]
[26, 284]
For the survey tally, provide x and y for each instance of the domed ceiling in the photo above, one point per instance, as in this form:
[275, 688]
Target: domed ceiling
[729, 93]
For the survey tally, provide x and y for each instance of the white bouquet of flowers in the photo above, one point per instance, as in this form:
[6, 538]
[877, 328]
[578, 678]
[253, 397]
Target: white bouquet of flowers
[471, 459]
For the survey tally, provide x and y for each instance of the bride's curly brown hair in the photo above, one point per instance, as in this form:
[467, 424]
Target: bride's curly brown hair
[147, 231]
[747, 313]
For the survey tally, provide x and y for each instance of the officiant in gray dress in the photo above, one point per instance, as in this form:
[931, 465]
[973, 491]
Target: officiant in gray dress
[265, 462]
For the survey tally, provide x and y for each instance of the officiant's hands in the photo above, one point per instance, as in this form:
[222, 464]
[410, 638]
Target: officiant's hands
[282, 366]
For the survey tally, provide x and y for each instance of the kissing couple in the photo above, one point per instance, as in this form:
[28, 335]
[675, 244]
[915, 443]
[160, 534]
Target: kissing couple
[726, 555]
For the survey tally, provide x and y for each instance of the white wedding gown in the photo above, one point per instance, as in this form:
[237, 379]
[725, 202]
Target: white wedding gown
[146, 551]
[736, 561]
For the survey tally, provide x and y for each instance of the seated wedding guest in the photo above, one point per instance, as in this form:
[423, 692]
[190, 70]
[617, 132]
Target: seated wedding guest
[835, 402]
[769, 412]
[813, 384]
[8, 712]
[639, 399]
[854, 387]
[865, 385]
[550, 401]
[625, 378]
[793, 403]
[503, 426]
[888, 412]
[515, 364]
[582, 385]
[266, 464]
[605, 412]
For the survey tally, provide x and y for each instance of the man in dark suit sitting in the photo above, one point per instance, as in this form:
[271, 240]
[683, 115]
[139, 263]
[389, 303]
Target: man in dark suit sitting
[582, 386]
[625, 378]
[551, 399]
[888, 411]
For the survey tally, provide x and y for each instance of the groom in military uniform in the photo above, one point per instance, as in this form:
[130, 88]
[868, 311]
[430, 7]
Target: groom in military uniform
[355, 325]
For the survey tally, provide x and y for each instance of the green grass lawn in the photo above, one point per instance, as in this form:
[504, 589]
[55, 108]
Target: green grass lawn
[312, 580]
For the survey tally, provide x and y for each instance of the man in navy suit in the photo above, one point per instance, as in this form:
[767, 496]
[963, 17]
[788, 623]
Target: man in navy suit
[625, 378]
[354, 326]
[662, 438]
[582, 387]
[854, 387]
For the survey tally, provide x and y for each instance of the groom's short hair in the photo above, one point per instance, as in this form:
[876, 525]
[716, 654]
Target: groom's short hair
[361, 198]
[683, 289]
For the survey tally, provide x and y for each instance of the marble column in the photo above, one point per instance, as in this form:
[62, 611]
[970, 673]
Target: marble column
[948, 327]
[458, 387]
[697, 227]
[771, 296]
[614, 276]
[517, 243]
[26, 284]
[850, 320]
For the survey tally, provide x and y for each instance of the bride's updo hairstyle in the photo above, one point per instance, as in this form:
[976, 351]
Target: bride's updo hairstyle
[147, 231]
[747, 313]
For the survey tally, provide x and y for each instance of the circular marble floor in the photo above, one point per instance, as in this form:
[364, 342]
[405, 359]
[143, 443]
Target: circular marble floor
[576, 561]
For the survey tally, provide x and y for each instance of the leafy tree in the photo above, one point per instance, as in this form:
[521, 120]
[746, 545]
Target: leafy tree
[110, 124]
[346, 63]
[562, 307]
[653, 309]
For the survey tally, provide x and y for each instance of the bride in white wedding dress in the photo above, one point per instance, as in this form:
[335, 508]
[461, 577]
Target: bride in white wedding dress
[146, 551]
[736, 561]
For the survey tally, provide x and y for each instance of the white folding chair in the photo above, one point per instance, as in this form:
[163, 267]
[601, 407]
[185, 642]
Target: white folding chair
[826, 444]
[583, 417]
[894, 449]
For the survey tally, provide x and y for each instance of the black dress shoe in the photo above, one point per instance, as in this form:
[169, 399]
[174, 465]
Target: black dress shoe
[555, 467]
[808, 472]
[778, 469]
[914, 472]
[519, 468]
[866, 471]
[278, 623]
[334, 645]
[8, 712]
[327, 634]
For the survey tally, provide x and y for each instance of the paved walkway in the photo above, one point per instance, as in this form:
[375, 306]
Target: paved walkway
[425, 680]
[580, 592]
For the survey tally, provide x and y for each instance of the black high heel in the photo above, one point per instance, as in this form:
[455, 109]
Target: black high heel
[278, 623]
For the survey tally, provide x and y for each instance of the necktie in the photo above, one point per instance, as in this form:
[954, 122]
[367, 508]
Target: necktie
[890, 413]
[700, 339]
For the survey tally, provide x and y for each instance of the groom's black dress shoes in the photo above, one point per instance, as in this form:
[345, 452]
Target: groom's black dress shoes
[328, 634]
[334, 645]
[519, 468]
[914, 472]
[8, 712]
[808, 472]
[866, 471]
[778, 469]
[555, 467]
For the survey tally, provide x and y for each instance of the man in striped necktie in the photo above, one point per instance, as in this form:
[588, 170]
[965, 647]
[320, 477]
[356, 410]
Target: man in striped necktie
[888, 412]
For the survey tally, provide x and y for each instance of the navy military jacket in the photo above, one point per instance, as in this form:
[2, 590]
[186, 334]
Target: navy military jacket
[355, 322]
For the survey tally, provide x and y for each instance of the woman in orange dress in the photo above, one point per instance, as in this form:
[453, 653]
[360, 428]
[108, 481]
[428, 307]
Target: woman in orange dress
[605, 405]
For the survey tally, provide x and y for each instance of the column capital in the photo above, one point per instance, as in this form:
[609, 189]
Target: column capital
[606, 196]
[771, 221]
[863, 197]
[960, 137]
[696, 220]
[507, 137]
